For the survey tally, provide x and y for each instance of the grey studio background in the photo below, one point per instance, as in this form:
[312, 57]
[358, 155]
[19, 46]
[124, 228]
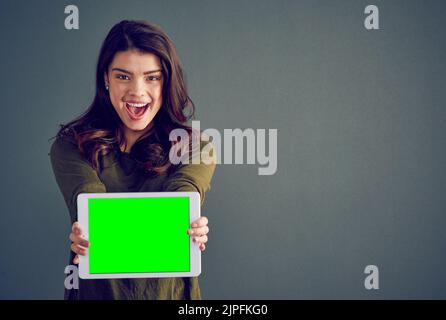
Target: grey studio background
[361, 141]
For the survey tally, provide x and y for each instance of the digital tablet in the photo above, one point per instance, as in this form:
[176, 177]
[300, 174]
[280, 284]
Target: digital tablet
[139, 235]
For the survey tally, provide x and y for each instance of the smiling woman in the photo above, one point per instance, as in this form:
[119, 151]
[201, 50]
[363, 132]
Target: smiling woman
[135, 94]
[121, 144]
[137, 64]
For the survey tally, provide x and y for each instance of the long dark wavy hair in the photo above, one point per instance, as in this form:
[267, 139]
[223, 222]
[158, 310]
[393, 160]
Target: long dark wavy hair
[99, 129]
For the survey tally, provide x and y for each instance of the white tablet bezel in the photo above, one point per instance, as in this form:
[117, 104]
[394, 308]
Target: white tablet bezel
[194, 214]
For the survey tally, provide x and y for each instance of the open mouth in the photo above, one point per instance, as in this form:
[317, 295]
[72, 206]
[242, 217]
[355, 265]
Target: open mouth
[136, 111]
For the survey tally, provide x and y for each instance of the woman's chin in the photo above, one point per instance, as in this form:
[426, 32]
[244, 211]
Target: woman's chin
[137, 126]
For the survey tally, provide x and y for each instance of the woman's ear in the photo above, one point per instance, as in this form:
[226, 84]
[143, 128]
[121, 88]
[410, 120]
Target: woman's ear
[106, 83]
[106, 78]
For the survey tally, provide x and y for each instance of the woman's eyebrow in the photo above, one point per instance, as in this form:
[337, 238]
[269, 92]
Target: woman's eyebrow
[131, 73]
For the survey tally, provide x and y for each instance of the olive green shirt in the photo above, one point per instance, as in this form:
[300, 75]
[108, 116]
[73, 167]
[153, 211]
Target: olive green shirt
[119, 172]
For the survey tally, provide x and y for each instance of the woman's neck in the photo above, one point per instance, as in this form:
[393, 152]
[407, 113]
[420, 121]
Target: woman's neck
[131, 137]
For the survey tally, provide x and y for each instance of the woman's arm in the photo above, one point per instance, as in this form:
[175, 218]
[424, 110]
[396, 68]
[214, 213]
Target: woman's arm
[73, 173]
[195, 177]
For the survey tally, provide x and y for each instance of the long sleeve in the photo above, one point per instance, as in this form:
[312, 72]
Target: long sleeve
[73, 173]
[193, 177]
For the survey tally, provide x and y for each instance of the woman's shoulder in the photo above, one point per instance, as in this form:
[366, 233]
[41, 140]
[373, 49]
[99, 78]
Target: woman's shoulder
[203, 153]
[65, 139]
[207, 148]
[63, 142]
[64, 145]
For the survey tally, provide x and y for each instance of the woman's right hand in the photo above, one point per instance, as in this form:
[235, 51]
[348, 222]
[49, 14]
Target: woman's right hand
[79, 244]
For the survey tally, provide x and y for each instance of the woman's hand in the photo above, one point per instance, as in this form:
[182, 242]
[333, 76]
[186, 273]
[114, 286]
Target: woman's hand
[79, 244]
[199, 230]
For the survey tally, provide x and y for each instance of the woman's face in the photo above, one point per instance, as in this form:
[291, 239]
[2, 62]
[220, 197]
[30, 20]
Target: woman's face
[135, 86]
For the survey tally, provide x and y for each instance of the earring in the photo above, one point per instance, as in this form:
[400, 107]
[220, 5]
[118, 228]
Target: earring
[106, 87]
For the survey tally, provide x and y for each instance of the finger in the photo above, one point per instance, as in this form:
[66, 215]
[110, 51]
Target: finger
[78, 240]
[78, 249]
[202, 239]
[202, 247]
[76, 259]
[200, 222]
[199, 231]
[76, 228]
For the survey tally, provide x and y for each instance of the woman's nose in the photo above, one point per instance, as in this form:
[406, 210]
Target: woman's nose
[138, 88]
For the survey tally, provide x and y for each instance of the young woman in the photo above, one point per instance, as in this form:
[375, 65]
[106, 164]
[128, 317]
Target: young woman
[121, 144]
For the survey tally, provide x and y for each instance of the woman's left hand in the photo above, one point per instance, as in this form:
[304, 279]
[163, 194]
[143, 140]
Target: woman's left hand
[199, 230]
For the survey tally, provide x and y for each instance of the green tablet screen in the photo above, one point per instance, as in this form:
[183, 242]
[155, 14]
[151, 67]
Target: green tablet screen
[133, 235]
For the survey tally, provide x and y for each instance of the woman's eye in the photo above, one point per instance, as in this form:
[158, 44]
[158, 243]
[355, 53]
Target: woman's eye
[121, 76]
[154, 78]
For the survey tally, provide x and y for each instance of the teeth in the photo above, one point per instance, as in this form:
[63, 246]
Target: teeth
[137, 105]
